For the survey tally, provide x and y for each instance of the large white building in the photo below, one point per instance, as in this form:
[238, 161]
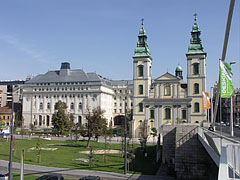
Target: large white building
[79, 90]
[166, 99]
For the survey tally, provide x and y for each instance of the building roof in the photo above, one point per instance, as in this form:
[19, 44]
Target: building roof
[5, 109]
[195, 46]
[178, 68]
[142, 49]
[122, 82]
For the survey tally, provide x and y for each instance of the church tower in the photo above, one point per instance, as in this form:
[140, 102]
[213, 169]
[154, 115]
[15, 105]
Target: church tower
[142, 64]
[196, 74]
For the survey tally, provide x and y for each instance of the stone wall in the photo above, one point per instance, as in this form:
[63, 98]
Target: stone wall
[182, 148]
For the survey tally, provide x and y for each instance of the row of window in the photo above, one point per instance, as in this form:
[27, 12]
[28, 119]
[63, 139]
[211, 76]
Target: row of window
[167, 89]
[71, 105]
[123, 91]
[4, 117]
[115, 98]
[62, 89]
[41, 120]
[61, 83]
[67, 95]
[196, 108]
[120, 104]
[195, 69]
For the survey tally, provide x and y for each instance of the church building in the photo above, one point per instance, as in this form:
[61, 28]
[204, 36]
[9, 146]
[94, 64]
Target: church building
[167, 99]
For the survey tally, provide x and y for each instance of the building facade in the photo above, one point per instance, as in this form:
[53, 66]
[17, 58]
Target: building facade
[152, 102]
[167, 99]
[81, 92]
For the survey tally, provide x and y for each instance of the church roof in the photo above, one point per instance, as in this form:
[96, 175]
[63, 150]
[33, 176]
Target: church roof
[142, 49]
[178, 68]
[167, 76]
[195, 46]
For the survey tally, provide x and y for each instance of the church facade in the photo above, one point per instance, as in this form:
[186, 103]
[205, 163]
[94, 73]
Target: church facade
[167, 99]
[153, 102]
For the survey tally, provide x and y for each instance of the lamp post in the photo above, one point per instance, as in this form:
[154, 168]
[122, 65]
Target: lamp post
[211, 92]
[125, 140]
[11, 140]
[231, 110]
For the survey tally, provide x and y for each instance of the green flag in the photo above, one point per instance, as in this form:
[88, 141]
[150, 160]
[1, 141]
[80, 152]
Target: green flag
[226, 84]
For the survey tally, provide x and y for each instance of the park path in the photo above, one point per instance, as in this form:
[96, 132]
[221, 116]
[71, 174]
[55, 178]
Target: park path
[77, 173]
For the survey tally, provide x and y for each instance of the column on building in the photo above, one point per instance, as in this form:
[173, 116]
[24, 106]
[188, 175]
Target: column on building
[189, 113]
[178, 113]
[174, 115]
[178, 90]
[155, 91]
[160, 90]
[159, 119]
[156, 117]
[174, 90]
[146, 115]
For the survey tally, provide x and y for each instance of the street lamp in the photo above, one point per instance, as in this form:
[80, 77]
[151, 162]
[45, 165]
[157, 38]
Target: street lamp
[125, 139]
[211, 93]
[231, 109]
[11, 140]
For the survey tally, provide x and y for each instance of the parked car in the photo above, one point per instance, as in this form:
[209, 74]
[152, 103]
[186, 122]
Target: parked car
[90, 178]
[4, 175]
[51, 177]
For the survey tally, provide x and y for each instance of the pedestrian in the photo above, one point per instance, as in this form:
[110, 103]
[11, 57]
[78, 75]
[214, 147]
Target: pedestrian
[210, 128]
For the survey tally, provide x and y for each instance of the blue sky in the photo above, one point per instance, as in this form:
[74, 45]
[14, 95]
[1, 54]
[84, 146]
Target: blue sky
[100, 36]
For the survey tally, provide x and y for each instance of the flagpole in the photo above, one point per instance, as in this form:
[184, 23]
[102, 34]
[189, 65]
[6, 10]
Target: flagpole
[231, 109]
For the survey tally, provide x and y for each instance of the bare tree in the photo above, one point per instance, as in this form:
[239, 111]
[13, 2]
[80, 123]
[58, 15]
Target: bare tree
[96, 124]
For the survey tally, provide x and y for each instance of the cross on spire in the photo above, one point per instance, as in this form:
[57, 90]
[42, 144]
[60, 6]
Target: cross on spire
[142, 21]
[195, 17]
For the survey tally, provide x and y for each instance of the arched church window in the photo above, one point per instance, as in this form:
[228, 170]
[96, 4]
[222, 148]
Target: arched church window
[152, 113]
[167, 113]
[184, 114]
[140, 107]
[196, 88]
[140, 89]
[140, 71]
[196, 68]
[167, 90]
[196, 107]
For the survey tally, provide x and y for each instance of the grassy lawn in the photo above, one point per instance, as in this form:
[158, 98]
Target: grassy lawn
[26, 177]
[64, 156]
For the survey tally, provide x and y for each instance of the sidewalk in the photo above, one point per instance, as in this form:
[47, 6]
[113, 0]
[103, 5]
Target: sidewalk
[79, 173]
[116, 140]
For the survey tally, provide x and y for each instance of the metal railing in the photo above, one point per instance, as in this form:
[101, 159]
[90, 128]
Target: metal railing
[224, 151]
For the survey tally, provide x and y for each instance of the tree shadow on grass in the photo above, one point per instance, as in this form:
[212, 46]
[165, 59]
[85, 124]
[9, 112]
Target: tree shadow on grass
[145, 165]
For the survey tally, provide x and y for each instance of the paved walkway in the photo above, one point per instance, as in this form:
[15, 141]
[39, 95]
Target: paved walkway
[77, 173]
[117, 140]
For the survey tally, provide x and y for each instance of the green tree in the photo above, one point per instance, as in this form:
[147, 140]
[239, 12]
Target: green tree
[96, 124]
[71, 124]
[154, 133]
[143, 135]
[60, 120]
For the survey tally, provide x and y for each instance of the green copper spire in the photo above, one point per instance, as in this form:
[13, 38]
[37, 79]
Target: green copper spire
[195, 46]
[142, 46]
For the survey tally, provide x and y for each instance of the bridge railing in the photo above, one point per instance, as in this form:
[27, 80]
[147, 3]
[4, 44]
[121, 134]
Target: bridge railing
[224, 151]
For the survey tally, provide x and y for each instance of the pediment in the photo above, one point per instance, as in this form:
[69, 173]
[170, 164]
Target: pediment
[167, 76]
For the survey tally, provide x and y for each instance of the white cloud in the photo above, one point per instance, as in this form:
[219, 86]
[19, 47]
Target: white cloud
[33, 53]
